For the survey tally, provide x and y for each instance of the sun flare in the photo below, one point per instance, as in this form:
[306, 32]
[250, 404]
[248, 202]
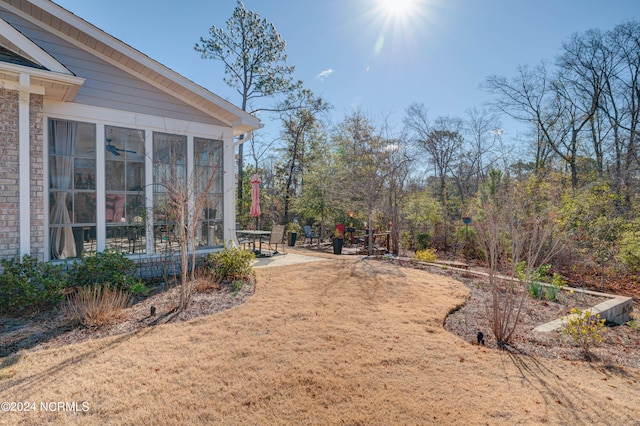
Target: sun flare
[397, 8]
[398, 25]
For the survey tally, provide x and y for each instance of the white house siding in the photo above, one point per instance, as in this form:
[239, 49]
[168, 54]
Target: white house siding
[106, 85]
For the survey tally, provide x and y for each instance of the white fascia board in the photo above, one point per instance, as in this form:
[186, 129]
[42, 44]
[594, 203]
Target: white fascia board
[70, 83]
[68, 79]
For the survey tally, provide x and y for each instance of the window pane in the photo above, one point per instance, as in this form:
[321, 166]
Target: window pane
[86, 140]
[135, 211]
[125, 183]
[135, 176]
[72, 176]
[115, 208]
[84, 207]
[134, 145]
[115, 176]
[208, 168]
[85, 174]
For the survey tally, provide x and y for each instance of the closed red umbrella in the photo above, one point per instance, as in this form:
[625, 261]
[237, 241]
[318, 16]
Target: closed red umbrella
[255, 196]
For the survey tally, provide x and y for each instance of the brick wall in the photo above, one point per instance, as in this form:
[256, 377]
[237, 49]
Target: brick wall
[9, 179]
[36, 168]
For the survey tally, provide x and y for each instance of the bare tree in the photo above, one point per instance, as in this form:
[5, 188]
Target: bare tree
[480, 126]
[515, 222]
[527, 97]
[300, 121]
[441, 140]
[505, 299]
[186, 197]
[621, 101]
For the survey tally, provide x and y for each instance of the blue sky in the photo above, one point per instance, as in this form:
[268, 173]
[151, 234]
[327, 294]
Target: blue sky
[436, 52]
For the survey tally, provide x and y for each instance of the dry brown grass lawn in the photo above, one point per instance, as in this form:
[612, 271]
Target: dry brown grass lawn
[343, 341]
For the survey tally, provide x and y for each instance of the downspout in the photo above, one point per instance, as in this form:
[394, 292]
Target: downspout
[229, 183]
[246, 138]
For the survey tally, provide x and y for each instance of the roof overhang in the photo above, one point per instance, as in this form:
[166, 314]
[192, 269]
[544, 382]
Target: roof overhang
[64, 24]
[54, 86]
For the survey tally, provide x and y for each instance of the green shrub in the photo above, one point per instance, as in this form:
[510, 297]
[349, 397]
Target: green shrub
[630, 250]
[139, 288]
[231, 264]
[536, 290]
[535, 279]
[551, 293]
[29, 283]
[535, 275]
[108, 267]
[97, 305]
[426, 255]
[585, 329]
[423, 241]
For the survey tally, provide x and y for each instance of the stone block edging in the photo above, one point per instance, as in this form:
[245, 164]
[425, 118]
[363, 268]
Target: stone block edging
[616, 309]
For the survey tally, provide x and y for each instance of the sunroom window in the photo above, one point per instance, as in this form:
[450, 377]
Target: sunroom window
[124, 200]
[169, 169]
[208, 177]
[72, 188]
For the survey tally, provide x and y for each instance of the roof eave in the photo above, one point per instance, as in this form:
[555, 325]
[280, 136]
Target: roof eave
[205, 100]
[60, 87]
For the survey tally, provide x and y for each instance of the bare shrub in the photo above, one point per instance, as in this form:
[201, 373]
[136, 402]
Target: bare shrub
[204, 280]
[97, 305]
[187, 195]
[516, 225]
[503, 308]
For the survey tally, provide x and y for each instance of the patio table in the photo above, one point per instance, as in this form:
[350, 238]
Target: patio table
[254, 235]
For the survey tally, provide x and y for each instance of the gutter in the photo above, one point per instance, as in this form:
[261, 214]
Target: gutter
[243, 140]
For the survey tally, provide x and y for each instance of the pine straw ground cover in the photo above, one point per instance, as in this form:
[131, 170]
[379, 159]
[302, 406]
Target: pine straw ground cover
[347, 341]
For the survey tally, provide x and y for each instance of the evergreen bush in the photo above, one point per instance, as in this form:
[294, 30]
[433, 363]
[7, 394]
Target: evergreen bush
[30, 283]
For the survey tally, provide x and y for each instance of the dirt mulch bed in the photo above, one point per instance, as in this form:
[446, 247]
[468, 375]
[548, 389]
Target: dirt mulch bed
[621, 345]
[53, 329]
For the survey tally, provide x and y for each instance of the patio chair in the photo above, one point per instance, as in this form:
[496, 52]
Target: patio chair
[308, 235]
[243, 240]
[276, 237]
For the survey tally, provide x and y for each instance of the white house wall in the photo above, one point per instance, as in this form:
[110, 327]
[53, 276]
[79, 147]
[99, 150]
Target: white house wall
[106, 85]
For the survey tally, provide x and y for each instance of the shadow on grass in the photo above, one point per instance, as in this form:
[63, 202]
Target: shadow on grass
[33, 332]
[559, 395]
[30, 381]
[555, 394]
